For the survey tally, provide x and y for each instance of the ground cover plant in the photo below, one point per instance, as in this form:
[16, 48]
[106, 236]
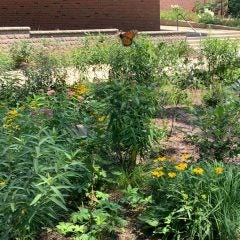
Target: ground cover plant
[149, 144]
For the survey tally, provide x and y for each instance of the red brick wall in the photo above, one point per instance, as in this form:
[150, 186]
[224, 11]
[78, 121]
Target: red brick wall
[81, 14]
[186, 4]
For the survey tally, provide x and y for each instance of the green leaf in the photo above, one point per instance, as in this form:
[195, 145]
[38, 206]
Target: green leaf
[58, 193]
[13, 207]
[36, 199]
[60, 204]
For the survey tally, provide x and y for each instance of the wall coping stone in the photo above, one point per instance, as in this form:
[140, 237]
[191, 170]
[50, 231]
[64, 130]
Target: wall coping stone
[15, 30]
[72, 33]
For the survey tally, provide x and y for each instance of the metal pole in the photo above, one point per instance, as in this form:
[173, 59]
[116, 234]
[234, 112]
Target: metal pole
[177, 22]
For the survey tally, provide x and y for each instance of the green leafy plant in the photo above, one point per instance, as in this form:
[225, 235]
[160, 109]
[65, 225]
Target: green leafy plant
[220, 130]
[6, 63]
[21, 52]
[221, 56]
[36, 179]
[96, 222]
[234, 8]
[193, 201]
[174, 11]
[131, 108]
[134, 198]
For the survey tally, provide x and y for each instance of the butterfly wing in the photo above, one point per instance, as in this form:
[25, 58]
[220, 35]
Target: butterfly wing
[127, 37]
[126, 41]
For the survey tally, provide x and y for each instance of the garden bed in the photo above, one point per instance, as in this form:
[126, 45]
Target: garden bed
[143, 152]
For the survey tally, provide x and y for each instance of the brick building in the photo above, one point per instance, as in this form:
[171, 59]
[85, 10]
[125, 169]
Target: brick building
[186, 4]
[81, 14]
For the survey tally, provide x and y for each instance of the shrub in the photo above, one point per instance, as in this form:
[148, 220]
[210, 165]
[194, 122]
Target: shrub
[234, 8]
[221, 56]
[6, 63]
[95, 50]
[220, 130]
[193, 201]
[95, 222]
[208, 17]
[138, 62]
[42, 75]
[175, 10]
[36, 180]
[21, 52]
[131, 107]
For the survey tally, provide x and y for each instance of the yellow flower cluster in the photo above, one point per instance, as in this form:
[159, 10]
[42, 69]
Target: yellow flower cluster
[157, 173]
[181, 166]
[80, 89]
[9, 120]
[198, 170]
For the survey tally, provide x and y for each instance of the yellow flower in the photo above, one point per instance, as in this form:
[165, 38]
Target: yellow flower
[198, 170]
[2, 183]
[204, 196]
[160, 159]
[219, 170]
[81, 89]
[13, 112]
[172, 174]
[185, 156]
[181, 166]
[157, 173]
[101, 119]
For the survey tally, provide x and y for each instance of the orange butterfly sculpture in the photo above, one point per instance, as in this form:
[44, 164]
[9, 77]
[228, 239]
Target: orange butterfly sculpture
[127, 37]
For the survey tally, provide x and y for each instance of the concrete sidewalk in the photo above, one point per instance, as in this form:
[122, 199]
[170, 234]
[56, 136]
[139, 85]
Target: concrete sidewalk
[202, 30]
[194, 40]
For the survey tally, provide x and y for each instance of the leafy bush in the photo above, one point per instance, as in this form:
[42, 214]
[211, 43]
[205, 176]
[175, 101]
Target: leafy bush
[36, 180]
[50, 166]
[45, 74]
[95, 50]
[134, 198]
[234, 8]
[220, 130]
[175, 10]
[208, 17]
[193, 201]
[21, 52]
[221, 56]
[6, 63]
[131, 107]
[139, 62]
[95, 222]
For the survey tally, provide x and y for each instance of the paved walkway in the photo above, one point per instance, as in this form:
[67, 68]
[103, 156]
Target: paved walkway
[202, 30]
